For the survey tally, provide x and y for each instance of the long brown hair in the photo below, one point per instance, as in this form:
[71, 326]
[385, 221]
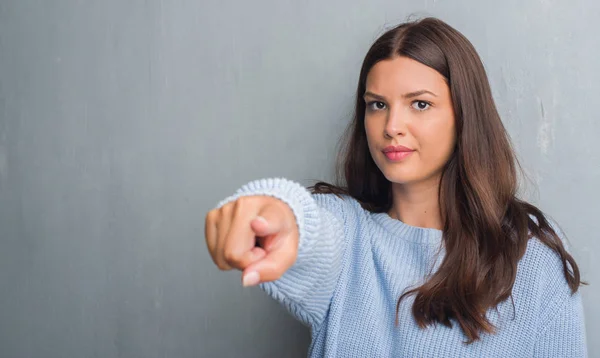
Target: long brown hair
[486, 227]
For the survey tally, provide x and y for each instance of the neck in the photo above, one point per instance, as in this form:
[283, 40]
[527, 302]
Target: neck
[417, 204]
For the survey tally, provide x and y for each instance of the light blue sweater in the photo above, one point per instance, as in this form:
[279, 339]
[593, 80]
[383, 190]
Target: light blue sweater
[353, 265]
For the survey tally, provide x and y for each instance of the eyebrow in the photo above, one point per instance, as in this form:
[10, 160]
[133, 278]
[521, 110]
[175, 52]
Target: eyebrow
[406, 95]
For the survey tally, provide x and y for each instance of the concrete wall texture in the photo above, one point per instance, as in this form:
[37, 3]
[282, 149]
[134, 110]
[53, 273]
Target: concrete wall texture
[123, 122]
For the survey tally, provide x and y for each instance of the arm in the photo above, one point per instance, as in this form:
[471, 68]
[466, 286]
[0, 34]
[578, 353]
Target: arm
[307, 287]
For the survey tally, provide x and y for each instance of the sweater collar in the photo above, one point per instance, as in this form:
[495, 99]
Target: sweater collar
[407, 232]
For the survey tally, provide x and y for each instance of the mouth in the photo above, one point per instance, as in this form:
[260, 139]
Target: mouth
[397, 153]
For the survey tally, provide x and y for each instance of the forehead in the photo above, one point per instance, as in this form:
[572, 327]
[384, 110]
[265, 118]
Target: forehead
[402, 74]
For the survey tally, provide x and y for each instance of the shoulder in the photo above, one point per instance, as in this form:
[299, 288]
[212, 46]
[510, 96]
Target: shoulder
[542, 262]
[553, 311]
[541, 265]
[541, 285]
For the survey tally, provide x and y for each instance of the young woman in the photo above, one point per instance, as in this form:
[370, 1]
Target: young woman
[417, 250]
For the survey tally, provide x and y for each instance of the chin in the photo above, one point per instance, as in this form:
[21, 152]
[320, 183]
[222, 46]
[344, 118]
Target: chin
[406, 177]
[408, 172]
[402, 178]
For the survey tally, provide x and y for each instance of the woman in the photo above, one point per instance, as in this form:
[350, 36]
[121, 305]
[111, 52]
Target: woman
[419, 248]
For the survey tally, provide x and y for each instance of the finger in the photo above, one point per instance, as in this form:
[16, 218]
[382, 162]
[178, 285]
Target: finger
[223, 227]
[270, 224]
[239, 250]
[258, 253]
[268, 242]
[238, 259]
[210, 233]
[273, 265]
[270, 219]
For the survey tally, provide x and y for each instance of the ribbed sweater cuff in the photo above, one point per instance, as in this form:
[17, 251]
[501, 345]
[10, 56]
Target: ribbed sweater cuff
[295, 195]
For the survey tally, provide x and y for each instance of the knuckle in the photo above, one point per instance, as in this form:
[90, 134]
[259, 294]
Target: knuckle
[223, 266]
[229, 256]
[276, 202]
[244, 203]
[215, 260]
[211, 218]
[223, 210]
[240, 205]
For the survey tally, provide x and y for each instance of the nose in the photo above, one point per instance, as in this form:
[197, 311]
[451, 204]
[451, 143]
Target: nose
[395, 124]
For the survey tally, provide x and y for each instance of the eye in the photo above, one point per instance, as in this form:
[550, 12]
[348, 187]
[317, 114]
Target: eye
[421, 105]
[375, 106]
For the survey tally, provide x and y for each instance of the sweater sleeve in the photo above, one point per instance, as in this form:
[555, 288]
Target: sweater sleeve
[564, 333]
[306, 289]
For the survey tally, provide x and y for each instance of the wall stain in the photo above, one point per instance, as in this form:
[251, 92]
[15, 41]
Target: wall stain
[545, 135]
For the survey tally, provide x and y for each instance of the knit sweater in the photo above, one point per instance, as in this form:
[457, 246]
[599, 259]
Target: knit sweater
[353, 265]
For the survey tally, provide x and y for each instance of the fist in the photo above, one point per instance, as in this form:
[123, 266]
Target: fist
[257, 235]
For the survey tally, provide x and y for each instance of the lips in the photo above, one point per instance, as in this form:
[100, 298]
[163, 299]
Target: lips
[396, 148]
[397, 153]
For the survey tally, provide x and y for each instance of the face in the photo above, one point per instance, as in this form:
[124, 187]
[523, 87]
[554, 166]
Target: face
[409, 120]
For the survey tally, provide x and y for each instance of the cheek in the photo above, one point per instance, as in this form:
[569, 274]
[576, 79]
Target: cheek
[370, 130]
[437, 142]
